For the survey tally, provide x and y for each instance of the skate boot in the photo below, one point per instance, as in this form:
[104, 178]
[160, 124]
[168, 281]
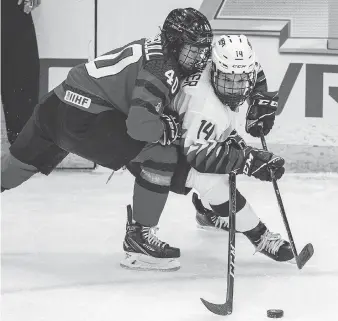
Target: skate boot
[145, 251]
[206, 219]
[270, 244]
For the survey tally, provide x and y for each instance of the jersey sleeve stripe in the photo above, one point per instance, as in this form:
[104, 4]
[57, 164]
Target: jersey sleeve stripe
[261, 84]
[143, 94]
[165, 167]
[152, 88]
[211, 161]
[222, 157]
[260, 76]
[160, 84]
[220, 160]
[137, 102]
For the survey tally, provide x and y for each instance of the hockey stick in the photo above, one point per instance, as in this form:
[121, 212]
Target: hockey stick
[308, 250]
[226, 308]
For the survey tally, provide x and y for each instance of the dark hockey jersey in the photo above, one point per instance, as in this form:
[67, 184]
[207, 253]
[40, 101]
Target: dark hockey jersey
[139, 79]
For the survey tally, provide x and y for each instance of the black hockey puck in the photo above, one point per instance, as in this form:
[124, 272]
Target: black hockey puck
[275, 313]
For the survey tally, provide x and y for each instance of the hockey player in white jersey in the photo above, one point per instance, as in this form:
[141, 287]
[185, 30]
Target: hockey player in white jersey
[207, 105]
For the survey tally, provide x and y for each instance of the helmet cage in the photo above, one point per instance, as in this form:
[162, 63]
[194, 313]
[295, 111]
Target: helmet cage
[188, 36]
[232, 89]
[192, 58]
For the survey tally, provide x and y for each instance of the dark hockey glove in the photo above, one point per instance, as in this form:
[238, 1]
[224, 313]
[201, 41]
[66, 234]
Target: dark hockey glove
[171, 130]
[236, 140]
[262, 109]
[258, 163]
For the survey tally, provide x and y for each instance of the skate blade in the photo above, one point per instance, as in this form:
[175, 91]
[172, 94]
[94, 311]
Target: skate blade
[292, 261]
[141, 262]
[210, 228]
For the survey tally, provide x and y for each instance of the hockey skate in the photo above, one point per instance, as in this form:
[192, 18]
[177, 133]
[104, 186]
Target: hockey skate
[206, 219]
[264, 241]
[270, 244]
[145, 251]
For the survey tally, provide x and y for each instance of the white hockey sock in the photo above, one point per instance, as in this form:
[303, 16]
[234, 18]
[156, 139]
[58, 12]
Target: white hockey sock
[246, 219]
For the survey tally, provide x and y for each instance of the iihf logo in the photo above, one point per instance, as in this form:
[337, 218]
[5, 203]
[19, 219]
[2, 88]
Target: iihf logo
[77, 99]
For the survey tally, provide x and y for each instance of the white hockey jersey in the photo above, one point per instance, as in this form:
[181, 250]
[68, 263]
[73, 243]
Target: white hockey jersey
[207, 123]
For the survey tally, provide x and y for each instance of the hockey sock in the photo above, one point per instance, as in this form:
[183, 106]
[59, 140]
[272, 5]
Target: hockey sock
[14, 172]
[246, 218]
[148, 205]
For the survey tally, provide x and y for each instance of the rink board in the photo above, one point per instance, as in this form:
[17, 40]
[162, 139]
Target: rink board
[71, 25]
[291, 46]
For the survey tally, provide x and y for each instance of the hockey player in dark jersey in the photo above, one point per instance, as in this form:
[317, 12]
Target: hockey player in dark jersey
[110, 110]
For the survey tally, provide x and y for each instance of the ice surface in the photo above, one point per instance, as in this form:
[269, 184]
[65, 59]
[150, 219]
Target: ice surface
[62, 242]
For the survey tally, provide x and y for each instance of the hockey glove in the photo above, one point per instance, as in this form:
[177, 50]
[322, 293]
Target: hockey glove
[262, 110]
[171, 130]
[258, 163]
[236, 140]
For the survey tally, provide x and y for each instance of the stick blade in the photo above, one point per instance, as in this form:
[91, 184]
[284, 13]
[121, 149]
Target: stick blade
[305, 255]
[219, 309]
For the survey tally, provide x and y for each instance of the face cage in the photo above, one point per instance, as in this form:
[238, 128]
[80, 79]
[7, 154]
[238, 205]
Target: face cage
[193, 58]
[233, 89]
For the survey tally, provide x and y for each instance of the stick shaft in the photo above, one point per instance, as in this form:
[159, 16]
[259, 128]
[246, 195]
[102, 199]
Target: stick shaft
[280, 204]
[231, 242]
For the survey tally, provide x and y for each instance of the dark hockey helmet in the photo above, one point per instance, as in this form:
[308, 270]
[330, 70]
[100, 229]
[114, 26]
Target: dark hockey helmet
[187, 34]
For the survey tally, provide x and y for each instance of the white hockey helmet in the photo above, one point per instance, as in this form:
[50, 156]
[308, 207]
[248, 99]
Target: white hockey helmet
[233, 72]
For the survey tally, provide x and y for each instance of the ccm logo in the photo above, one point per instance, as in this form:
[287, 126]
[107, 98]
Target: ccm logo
[268, 102]
[247, 164]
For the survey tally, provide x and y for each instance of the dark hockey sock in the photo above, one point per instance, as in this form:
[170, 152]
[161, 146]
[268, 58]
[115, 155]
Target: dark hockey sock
[255, 234]
[14, 172]
[223, 209]
[246, 218]
[153, 168]
[148, 205]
